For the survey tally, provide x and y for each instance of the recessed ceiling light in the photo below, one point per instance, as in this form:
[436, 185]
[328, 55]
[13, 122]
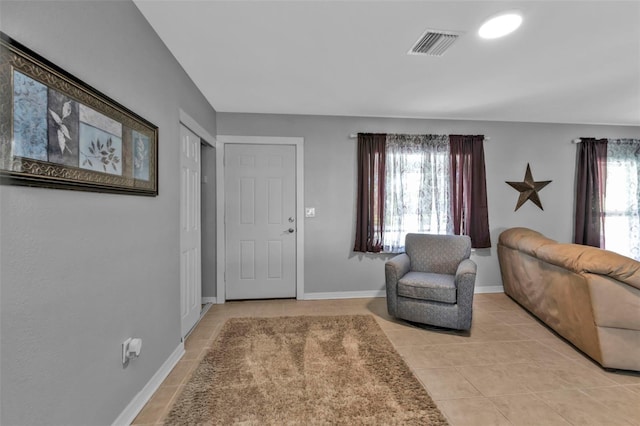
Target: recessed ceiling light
[500, 25]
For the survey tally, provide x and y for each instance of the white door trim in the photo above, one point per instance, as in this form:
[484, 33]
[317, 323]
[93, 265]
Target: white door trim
[205, 138]
[191, 124]
[221, 140]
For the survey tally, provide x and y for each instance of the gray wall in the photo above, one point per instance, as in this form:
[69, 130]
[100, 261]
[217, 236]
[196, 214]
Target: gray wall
[330, 184]
[82, 271]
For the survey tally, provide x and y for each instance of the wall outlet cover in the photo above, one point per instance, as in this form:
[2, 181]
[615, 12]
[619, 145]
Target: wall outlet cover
[125, 347]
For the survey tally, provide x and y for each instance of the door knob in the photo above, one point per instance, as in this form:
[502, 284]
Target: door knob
[291, 230]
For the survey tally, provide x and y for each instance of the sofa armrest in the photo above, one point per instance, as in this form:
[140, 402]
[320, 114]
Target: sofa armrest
[394, 269]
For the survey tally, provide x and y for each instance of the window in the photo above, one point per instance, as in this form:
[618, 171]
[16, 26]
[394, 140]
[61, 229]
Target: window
[621, 201]
[608, 195]
[419, 183]
[417, 188]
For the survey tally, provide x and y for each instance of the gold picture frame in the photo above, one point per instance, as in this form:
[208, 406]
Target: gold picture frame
[58, 132]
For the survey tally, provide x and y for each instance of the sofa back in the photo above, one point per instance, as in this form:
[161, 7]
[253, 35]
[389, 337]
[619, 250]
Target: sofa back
[585, 259]
[524, 239]
[573, 257]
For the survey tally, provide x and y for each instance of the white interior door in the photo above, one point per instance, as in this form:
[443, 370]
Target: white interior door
[260, 221]
[190, 244]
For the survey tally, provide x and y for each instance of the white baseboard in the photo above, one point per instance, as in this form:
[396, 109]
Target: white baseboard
[344, 295]
[209, 300]
[489, 289]
[137, 403]
[381, 293]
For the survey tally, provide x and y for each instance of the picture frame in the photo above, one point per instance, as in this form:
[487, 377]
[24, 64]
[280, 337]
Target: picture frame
[58, 132]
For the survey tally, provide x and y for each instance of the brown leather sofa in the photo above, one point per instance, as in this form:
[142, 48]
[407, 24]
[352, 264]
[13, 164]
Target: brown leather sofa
[589, 296]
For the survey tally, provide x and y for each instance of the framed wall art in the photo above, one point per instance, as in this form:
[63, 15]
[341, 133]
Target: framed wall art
[58, 132]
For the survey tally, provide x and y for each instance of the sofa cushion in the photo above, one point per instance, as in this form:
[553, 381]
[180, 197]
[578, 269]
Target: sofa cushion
[428, 286]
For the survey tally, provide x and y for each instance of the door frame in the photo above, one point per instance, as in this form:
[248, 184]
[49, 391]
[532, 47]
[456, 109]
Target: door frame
[221, 141]
[207, 139]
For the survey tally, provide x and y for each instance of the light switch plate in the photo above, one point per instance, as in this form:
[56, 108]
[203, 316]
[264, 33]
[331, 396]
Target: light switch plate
[309, 212]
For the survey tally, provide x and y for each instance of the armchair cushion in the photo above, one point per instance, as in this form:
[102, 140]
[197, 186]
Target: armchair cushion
[428, 286]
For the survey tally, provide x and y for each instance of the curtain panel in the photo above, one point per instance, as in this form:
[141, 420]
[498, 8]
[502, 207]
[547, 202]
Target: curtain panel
[591, 179]
[469, 189]
[416, 188]
[370, 200]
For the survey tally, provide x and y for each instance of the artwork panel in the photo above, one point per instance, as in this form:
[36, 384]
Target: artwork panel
[141, 155]
[127, 152]
[100, 121]
[63, 120]
[100, 151]
[29, 118]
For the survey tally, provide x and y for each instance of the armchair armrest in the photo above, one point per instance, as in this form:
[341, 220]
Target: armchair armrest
[398, 265]
[467, 266]
[394, 269]
[465, 282]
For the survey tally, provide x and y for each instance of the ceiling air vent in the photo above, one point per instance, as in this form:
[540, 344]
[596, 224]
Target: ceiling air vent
[434, 42]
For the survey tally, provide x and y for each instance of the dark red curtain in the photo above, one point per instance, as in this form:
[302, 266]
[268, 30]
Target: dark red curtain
[370, 204]
[469, 189]
[591, 177]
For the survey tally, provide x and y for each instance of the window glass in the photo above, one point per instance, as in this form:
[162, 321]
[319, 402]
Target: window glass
[622, 212]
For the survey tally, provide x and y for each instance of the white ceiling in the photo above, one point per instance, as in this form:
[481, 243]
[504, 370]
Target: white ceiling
[570, 61]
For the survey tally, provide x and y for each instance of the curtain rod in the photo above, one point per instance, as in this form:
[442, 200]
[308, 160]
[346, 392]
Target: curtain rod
[486, 138]
[355, 136]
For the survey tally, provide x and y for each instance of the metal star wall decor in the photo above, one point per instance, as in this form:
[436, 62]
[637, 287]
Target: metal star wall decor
[529, 189]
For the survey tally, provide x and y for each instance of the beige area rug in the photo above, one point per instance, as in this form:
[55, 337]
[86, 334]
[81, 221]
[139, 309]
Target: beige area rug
[303, 370]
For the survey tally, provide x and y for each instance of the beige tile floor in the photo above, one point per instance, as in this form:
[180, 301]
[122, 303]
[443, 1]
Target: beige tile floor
[508, 370]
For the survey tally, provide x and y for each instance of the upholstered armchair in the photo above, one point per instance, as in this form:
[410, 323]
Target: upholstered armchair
[433, 281]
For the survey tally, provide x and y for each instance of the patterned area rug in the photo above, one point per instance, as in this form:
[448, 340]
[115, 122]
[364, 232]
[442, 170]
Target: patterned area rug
[303, 370]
